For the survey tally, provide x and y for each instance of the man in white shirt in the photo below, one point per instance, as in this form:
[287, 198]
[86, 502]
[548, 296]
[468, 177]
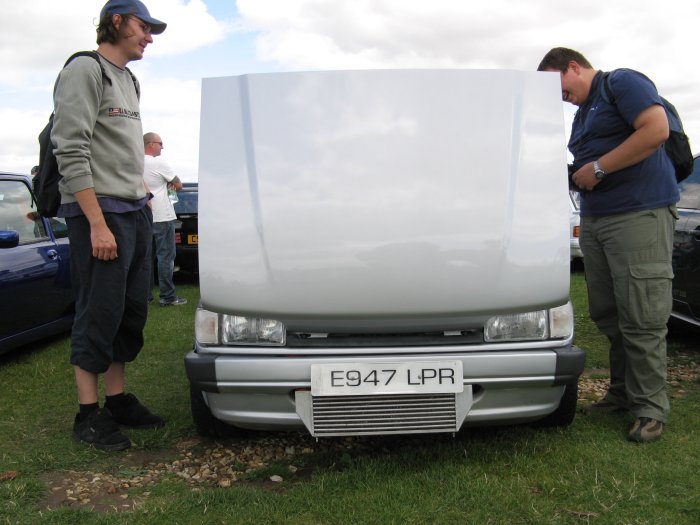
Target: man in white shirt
[159, 178]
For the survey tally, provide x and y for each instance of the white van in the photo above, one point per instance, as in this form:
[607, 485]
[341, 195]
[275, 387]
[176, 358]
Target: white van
[381, 252]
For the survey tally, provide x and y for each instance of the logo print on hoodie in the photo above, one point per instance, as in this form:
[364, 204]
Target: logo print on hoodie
[123, 112]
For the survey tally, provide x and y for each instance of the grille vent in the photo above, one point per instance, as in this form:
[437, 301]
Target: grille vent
[382, 414]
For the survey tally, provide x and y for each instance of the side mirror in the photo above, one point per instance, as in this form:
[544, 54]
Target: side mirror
[9, 238]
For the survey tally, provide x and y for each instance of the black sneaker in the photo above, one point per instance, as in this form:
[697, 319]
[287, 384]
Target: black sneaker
[130, 413]
[178, 301]
[100, 430]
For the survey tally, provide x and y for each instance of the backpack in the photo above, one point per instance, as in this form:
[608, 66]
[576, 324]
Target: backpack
[677, 145]
[45, 182]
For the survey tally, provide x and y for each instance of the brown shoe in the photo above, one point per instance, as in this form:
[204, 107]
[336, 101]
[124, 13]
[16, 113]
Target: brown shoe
[645, 430]
[602, 407]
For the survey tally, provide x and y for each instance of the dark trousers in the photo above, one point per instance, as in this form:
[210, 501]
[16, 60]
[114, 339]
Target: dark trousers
[111, 296]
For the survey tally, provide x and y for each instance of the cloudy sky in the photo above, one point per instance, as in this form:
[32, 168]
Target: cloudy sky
[211, 38]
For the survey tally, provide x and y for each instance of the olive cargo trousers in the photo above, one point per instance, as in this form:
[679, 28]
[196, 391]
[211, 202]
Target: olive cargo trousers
[628, 269]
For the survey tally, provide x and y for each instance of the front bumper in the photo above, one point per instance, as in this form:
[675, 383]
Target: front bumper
[507, 386]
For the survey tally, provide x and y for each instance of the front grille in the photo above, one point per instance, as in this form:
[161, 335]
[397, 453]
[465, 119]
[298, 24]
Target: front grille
[383, 414]
[340, 340]
[360, 415]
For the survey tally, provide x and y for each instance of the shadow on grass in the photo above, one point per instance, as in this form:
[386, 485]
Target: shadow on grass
[30, 350]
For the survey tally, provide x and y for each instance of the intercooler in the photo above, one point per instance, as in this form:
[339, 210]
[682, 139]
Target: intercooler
[383, 414]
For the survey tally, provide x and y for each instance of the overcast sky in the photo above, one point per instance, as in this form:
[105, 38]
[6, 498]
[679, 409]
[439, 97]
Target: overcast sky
[211, 38]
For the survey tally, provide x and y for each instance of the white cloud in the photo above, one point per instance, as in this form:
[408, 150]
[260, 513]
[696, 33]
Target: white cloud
[170, 107]
[19, 139]
[510, 34]
[36, 36]
[190, 26]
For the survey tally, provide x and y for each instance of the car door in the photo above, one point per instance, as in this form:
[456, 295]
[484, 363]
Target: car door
[34, 267]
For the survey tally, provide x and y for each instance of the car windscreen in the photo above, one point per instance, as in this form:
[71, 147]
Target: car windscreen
[187, 202]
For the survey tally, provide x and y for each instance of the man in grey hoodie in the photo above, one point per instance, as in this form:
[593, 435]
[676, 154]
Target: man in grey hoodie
[97, 138]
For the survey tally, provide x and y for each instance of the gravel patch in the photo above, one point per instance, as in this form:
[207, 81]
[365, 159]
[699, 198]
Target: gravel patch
[267, 459]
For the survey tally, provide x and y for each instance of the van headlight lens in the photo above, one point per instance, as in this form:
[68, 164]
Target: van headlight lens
[531, 326]
[215, 329]
[236, 329]
[555, 323]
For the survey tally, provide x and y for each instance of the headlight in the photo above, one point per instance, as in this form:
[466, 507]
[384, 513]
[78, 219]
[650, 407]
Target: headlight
[251, 330]
[212, 329]
[555, 323]
[517, 327]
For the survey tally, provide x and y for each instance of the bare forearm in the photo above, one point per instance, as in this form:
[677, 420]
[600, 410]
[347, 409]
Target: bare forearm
[651, 130]
[104, 245]
[176, 183]
[638, 146]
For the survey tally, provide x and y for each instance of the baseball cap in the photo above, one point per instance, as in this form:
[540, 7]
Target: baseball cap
[136, 8]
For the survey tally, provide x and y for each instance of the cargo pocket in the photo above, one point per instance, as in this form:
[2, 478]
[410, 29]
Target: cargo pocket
[650, 294]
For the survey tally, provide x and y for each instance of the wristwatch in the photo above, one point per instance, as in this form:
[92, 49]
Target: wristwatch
[599, 173]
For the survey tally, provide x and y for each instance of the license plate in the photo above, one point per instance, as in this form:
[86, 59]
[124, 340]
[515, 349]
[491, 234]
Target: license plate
[428, 377]
[193, 239]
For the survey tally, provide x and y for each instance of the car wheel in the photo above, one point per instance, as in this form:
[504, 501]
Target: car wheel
[205, 423]
[563, 416]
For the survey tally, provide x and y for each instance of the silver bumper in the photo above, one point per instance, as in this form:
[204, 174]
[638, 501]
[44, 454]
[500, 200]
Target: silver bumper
[273, 392]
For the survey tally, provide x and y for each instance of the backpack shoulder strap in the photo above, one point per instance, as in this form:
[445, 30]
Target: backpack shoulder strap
[96, 57]
[605, 90]
[137, 86]
[674, 120]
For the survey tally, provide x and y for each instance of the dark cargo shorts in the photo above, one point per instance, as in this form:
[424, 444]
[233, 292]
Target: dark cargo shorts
[111, 296]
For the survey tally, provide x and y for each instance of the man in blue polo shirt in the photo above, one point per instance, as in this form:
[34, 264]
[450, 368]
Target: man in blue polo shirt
[628, 195]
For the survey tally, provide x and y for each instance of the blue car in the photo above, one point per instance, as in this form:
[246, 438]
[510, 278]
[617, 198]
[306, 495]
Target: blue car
[36, 299]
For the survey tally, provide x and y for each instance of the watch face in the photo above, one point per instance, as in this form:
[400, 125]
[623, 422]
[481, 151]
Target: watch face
[599, 174]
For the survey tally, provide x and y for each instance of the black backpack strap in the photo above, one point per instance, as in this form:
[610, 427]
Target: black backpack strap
[93, 55]
[605, 90]
[137, 86]
[96, 57]
[105, 76]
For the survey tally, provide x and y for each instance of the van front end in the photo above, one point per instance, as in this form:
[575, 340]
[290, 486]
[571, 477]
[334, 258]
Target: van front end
[514, 369]
[383, 252]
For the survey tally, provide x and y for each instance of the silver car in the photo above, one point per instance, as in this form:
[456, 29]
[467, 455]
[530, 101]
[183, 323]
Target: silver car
[382, 252]
[575, 225]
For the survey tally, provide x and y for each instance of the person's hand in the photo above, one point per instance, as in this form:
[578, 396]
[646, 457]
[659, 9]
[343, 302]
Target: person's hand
[585, 178]
[104, 245]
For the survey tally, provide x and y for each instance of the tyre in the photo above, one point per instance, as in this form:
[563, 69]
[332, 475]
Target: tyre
[205, 423]
[563, 416]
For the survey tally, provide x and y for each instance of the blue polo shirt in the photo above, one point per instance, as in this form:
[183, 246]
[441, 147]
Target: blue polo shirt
[600, 127]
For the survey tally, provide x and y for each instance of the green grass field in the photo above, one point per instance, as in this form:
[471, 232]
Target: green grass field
[587, 473]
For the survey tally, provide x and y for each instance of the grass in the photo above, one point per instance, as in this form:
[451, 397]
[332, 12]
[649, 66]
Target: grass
[586, 473]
